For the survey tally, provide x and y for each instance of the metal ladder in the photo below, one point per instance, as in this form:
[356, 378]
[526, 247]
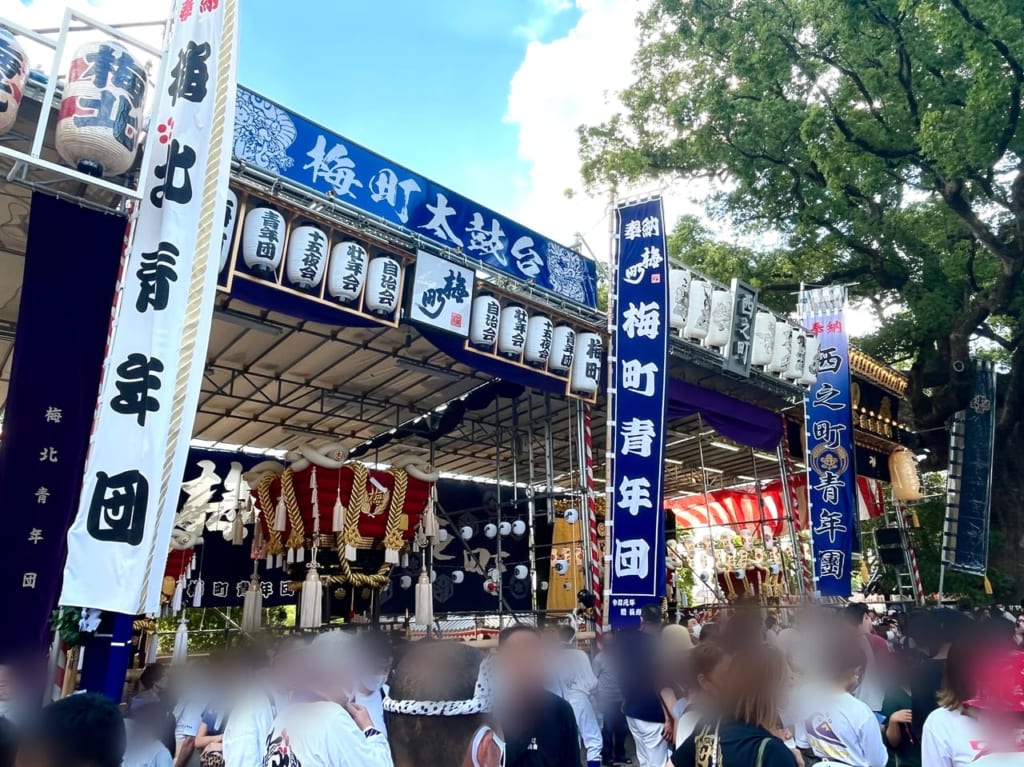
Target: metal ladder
[898, 543]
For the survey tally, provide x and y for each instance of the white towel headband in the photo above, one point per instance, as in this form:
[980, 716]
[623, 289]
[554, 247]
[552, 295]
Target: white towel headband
[480, 703]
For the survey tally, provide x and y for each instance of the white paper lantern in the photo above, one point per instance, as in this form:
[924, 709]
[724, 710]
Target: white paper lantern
[263, 241]
[433, 576]
[783, 347]
[539, 331]
[521, 572]
[543, 585]
[442, 535]
[561, 566]
[306, 259]
[382, 278]
[572, 516]
[483, 322]
[346, 274]
[466, 532]
[764, 339]
[810, 374]
[230, 214]
[678, 297]
[405, 581]
[720, 326]
[13, 73]
[505, 528]
[512, 331]
[519, 528]
[586, 364]
[563, 345]
[698, 313]
[490, 530]
[101, 116]
[458, 576]
[798, 355]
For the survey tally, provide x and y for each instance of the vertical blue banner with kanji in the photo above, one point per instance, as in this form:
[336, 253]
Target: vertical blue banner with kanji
[640, 370]
[831, 473]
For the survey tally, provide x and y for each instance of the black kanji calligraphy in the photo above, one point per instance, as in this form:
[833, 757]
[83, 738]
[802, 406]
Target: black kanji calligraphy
[156, 273]
[115, 66]
[137, 377]
[190, 76]
[117, 509]
[11, 68]
[111, 111]
[433, 300]
[177, 183]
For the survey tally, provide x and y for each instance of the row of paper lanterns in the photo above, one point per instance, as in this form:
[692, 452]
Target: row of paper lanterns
[515, 334]
[309, 258]
[703, 313]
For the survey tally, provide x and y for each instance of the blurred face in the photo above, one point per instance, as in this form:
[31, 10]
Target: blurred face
[712, 685]
[35, 755]
[523, 661]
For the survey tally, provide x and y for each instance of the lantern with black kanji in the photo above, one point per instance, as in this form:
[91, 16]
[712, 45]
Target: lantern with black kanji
[512, 331]
[764, 339]
[563, 346]
[230, 214]
[263, 241]
[306, 259]
[720, 325]
[538, 341]
[810, 372]
[13, 72]
[678, 296]
[483, 322]
[586, 365]
[783, 350]
[797, 356]
[346, 274]
[698, 311]
[382, 280]
[101, 110]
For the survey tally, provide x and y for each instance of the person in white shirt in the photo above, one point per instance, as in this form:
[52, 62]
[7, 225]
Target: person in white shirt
[836, 726]
[951, 736]
[371, 687]
[999, 708]
[145, 730]
[580, 684]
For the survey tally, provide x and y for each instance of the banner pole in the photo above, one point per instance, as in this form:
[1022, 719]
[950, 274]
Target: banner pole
[609, 445]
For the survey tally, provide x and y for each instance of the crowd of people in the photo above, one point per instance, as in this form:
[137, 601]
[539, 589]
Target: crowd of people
[937, 688]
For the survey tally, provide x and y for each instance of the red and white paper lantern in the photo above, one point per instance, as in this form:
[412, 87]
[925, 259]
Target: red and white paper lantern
[101, 110]
[483, 322]
[307, 256]
[512, 331]
[13, 73]
[346, 273]
[263, 236]
[382, 280]
[539, 332]
[563, 346]
[586, 365]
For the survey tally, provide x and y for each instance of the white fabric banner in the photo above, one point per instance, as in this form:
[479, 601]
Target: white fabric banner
[118, 543]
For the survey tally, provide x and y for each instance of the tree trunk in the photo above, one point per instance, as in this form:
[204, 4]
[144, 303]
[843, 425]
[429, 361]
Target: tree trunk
[1006, 557]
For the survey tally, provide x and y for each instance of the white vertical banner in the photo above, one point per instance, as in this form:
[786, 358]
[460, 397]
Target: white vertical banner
[118, 543]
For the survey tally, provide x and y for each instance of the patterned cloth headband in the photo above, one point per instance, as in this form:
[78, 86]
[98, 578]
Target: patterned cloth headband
[480, 703]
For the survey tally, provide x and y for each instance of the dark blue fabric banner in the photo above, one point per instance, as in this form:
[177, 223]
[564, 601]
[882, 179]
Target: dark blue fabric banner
[67, 291]
[831, 470]
[285, 144]
[640, 384]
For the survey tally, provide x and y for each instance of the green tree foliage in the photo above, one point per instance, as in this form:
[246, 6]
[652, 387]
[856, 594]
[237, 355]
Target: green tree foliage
[880, 141]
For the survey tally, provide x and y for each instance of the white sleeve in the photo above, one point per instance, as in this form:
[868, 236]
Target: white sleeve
[353, 749]
[587, 678]
[873, 745]
[935, 750]
[243, 746]
[163, 758]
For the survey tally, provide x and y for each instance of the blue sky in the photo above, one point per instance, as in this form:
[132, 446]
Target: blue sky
[423, 83]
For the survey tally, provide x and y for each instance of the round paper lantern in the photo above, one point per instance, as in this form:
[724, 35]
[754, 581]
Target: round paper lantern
[13, 72]
[521, 572]
[810, 374]
[561, 567]
[512, 331]
[346, 274]
[764, 339]
[563, 344]
[490, 586]
[483, 322]
[442, 535]
[698, 313]
[720, 325]
[519, 528]
[783, 347]
[538, 341]
[101, 115]
[678, 297]
[230, 214]
[572, 516]
[798, 355]
[490, 531]
[382, 286]
[543, 585]
[458, 576]
[906, 483]
[307, 256]
[263, 241]
[466, 532]
[586, 364]
[505, 528]
[405, 581]
[433, 576]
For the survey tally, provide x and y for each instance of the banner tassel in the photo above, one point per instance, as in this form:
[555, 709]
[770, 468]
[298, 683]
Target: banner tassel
[152, 647]
[988, 586]
[180, 654]
[424, 600]
[280, 515]
[311, 607]
[252, 606]
[197, 595]
[179, 595]
[237, 530]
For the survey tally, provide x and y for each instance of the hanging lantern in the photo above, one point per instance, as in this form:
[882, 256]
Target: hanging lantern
[307, 256]
[466, 532]
[512, 331]
[764, 339]
[491, 531]
[906, 483]
[678, 296]
[797, 356]
[720, 326]
[101, 112]
[382, 286]
[505, 528]
[458, 576]
[586, 365]
[483, 322]
[563, 345]
[263, 241]
[230, 213]
[783, 347]
[810, 374]
[346, 273]
[13, 73]
[521, 572]
[698, 313]
[519, 528]
[538, 341]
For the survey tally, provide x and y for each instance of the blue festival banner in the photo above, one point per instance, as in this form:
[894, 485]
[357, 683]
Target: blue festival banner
[640, 354]
[831, 469]
[285, 144]
[969, 481]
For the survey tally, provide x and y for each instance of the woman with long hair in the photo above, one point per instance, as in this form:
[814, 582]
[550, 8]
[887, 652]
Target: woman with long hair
[951, 737]
[704, 679]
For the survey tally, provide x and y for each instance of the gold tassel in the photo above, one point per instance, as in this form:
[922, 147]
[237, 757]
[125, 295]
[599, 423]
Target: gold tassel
[865, 576]
[988, 586]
